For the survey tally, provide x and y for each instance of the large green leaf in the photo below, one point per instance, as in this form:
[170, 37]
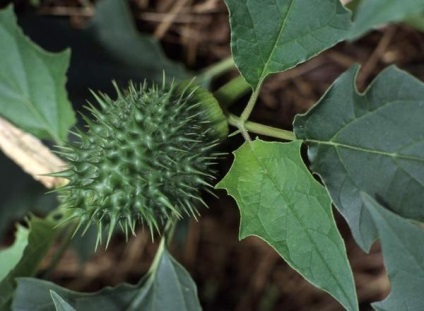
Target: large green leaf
[282, 203]
[402, 243]
[274, 35]
[115, 31]
[32, 83]
[40, 239]
[371, 142]
[9, 257]
[370, 14]
[167, 286]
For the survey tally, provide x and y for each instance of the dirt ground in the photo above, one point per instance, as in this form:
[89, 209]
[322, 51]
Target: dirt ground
[231, 274]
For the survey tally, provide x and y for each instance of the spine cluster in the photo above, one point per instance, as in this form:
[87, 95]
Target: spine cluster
[144, 158]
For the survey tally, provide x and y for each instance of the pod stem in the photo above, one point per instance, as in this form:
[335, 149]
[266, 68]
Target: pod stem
[217, 69]
[169, 231]
[163, 244]
[232, 91]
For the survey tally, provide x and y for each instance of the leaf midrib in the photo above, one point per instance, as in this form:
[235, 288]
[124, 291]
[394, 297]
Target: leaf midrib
[365, 150]
[277, 39]
[276, 185]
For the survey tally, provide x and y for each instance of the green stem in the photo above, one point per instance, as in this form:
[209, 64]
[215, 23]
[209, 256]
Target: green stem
[169, 231]
[217, 69]
[260, 129]
[251, 103]
[247, 111]
[164, 242]
[232, 91]
[148, 280]
[156, 260]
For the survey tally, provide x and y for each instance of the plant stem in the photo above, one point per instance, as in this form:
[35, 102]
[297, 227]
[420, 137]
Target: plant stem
[240, 122]
[156, 260]
[164, 242]
[251, 104]
[216, 69]
[232, 91]
[169, 231]
[260, 129]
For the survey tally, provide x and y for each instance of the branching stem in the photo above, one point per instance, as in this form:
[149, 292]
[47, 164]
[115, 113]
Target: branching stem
[234, 90]
[261, 129]
[247, 112]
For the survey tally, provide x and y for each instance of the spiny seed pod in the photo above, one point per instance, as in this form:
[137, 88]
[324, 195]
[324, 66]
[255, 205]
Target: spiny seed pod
[144, 158]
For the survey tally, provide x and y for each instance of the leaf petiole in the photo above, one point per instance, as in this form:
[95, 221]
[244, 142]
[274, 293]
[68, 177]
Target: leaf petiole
[251, 103]
[258, 128]
[242, 120]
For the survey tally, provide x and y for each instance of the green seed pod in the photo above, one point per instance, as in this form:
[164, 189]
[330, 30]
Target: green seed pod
[144, 158]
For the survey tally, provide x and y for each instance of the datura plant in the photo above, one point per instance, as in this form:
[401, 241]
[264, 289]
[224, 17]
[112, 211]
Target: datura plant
[144, 158]
[147, 155]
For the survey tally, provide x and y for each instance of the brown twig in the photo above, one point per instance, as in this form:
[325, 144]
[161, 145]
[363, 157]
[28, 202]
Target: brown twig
[167, 22]
[30, 154]
[375, 57]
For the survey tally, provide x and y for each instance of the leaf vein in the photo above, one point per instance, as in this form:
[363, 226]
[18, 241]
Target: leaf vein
[276, 185]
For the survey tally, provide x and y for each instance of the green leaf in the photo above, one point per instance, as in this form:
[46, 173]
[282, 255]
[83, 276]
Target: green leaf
[402, 243]
[281, 203]
[371, 142]
[34, 294]
[9, 257]
[370, 14]
[114, 28]
[59, 303]
[32, 83]
[40, 238]
[167, 286]
[274, 35]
